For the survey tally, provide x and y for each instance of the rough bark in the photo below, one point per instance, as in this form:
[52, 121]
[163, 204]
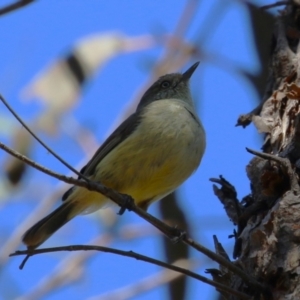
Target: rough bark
[268, 219]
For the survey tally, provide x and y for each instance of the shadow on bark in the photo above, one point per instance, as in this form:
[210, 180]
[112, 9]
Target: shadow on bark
[267, 234]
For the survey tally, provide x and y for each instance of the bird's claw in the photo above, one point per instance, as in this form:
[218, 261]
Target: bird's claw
[128, 204]
[177, 235]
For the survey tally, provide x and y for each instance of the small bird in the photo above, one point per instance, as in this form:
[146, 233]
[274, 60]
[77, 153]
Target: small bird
[147, 157]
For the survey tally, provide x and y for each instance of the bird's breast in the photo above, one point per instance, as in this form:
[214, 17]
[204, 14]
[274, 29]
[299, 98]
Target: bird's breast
[173, 121]
[163, 151]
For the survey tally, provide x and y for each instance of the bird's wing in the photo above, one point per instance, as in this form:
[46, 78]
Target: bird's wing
[118, 136]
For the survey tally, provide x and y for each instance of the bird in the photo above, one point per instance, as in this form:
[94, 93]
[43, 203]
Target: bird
[147, 157]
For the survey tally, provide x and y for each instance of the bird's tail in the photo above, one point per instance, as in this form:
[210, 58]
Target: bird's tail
[42, 230]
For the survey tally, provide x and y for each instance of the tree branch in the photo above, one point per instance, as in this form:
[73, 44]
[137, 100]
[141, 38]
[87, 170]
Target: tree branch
[136, 256]
[124, 202]
[284, 162]
[278, 3]
[39, 140]
[11, 7]
[245, 119]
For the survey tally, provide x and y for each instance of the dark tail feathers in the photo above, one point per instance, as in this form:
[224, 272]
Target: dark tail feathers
[43, 229]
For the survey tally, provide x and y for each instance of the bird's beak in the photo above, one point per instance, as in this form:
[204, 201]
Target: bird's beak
[188, 73]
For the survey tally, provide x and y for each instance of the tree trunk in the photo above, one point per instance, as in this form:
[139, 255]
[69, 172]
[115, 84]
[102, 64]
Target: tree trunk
[268, 220]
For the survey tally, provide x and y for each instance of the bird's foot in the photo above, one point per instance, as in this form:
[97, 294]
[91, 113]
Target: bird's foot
[128, 204]
[177, 235]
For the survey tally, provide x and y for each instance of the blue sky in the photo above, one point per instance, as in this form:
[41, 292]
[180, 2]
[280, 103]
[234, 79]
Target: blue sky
[33, 37]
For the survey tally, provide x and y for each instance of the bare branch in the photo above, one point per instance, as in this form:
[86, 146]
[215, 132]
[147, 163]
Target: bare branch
[136, 256]
[11, 7]
[116, 197]
[224, 262]
[125, 202]
[278, 3]
[39, 140]
[69, 269]
[246, 119]
[284, 162]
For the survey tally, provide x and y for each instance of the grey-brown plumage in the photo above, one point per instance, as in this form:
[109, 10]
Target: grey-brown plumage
[148, 156]
[49, 224]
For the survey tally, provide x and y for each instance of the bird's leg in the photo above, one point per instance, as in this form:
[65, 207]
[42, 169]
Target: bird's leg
[128, 204]
[178, 235]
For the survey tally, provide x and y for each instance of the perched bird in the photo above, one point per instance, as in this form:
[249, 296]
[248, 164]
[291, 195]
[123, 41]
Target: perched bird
[147, 157]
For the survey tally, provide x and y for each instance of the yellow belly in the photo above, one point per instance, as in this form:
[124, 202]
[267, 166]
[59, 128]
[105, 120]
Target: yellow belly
[155, 159]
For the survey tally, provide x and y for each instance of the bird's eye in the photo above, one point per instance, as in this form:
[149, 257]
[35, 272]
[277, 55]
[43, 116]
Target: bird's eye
[165, 84]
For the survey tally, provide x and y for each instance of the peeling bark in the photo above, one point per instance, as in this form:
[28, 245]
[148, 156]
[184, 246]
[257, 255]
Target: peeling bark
[268, 220]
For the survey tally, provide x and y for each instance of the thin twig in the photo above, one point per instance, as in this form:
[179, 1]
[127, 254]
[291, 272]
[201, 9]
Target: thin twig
[39, 140]
[69, 268]
[224, 262]
[278, 3]
[284, 162]
[267, 156]
[136, 256]
[246, 119]
[90, 185]
[11, 7]
[122, 200]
